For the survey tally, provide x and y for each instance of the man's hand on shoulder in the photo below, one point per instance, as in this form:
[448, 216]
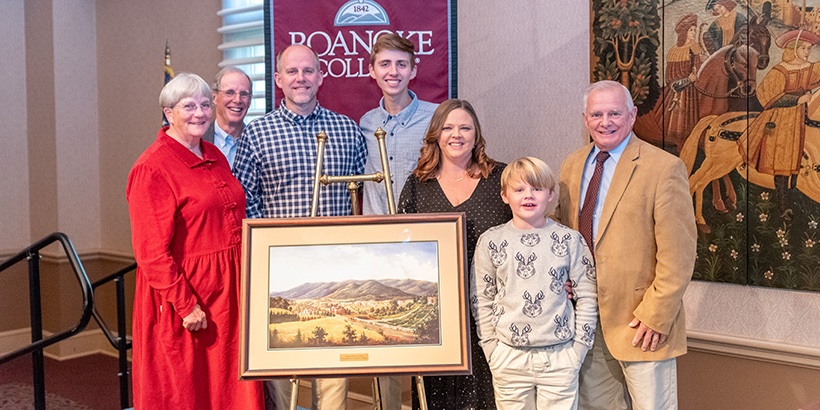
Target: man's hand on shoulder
[651, 338]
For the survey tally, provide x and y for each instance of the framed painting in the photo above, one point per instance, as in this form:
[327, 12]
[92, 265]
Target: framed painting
[354, 295]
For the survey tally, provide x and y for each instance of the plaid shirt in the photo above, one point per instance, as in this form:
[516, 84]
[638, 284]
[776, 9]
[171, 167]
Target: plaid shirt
[276, 159]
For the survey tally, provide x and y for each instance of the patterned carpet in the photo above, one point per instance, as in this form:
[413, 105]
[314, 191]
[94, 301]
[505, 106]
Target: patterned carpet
[88, 382]
[19, 396]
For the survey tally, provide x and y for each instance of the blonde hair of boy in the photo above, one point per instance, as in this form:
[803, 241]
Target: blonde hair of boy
[532, 171]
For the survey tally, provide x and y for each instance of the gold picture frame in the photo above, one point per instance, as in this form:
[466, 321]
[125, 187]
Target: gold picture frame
[354, 295]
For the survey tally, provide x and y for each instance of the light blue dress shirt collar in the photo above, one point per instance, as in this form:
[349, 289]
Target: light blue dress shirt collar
[225, 142]
[614, 155]
[405, 114]
[609, 170]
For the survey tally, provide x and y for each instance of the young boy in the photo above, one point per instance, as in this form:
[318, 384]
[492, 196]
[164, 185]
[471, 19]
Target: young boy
[533, 337]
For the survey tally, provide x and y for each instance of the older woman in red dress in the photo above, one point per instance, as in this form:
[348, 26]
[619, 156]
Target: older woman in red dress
[186, 220]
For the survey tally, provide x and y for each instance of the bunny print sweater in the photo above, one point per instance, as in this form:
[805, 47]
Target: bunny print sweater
[517, 288]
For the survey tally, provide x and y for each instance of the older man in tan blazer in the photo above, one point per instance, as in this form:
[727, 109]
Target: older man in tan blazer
[642, 232]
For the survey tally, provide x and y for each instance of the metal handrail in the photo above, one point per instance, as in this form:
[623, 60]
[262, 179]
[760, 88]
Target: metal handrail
[121, 342]
[32, 254]
[109, 334]
[38, 343]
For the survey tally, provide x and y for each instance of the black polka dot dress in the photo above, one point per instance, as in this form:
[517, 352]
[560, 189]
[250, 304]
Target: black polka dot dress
[484, 209]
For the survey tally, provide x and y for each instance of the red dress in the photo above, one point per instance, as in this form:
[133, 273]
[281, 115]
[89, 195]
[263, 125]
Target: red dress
[186, 223]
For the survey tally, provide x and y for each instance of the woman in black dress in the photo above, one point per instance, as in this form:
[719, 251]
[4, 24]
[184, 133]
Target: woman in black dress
[454, 174]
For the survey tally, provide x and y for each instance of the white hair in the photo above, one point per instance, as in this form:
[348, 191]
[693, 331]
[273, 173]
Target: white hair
[609, 85]
[184, 85]
[230, 69]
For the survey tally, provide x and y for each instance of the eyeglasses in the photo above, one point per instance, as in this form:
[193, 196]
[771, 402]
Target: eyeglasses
[191, 107]
[232, 93]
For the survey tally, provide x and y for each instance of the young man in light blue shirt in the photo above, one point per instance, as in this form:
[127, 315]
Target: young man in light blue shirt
[400, 114]
[405, 119]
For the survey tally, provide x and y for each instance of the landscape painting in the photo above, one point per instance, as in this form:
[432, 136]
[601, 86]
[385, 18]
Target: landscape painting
[361, 294]
[354, 295]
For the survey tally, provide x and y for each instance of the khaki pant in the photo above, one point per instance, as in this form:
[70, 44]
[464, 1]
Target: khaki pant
[604, 382]
[327, 394]
[535, 377]
[390, 388]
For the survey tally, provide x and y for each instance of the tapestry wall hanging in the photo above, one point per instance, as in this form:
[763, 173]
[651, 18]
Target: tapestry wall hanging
[729, 87]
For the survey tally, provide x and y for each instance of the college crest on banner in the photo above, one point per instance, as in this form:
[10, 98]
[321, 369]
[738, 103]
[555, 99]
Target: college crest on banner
[342, 33]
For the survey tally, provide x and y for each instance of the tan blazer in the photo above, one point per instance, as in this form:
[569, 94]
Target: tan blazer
[645, 248]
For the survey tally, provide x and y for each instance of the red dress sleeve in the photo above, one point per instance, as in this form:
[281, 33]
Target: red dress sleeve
[152, 205]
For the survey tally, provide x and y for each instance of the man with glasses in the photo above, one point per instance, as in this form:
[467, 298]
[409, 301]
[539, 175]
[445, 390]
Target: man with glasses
[232, 98]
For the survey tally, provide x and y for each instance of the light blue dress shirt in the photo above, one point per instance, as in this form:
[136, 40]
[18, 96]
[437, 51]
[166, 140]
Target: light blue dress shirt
[404, 138]
[606, 179]
[225, 142]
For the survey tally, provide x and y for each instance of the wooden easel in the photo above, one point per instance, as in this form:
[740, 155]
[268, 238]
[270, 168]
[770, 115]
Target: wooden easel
[353, 186]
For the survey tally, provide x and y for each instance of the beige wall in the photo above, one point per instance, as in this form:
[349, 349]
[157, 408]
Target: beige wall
[14, 209]
[76, 139]
[525, 70]
[39, 91]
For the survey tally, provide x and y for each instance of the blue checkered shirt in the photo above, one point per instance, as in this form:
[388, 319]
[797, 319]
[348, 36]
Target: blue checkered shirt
[276, 159]
[404, 138]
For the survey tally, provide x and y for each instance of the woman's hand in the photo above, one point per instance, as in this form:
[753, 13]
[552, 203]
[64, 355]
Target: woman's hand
[195, 320]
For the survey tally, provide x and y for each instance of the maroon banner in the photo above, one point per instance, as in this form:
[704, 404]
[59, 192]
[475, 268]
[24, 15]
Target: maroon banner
[343, 32]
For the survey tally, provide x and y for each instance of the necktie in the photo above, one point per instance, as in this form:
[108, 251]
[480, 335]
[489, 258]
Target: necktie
[591, 198]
